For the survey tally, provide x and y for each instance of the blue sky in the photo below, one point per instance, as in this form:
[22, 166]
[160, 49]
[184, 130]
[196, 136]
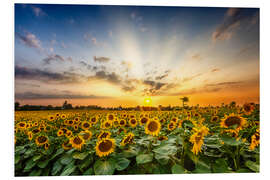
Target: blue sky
[95, 53]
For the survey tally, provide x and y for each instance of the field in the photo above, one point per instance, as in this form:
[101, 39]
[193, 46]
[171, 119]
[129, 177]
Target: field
[221, 139]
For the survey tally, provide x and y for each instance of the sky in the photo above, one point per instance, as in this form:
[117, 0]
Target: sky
[120, 55]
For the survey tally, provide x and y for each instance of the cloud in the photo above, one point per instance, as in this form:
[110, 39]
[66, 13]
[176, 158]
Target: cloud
[228, 83]
[101, 59]
[215, 70]
[196, 56]
[38, 11]
[30, 40]
[232, 20]
[110, 77]
[32, 95]
[84, 64]
[57, 58]
[46, 76]
[27, 84]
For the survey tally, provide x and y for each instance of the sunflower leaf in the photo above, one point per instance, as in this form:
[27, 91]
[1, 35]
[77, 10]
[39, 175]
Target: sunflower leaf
[106, 167]
[177, 169]
[122, 163]
[144, 158]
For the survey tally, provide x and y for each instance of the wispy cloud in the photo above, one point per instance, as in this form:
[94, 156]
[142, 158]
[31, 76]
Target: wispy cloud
[231, 22]
[30, 40]
[38, 11]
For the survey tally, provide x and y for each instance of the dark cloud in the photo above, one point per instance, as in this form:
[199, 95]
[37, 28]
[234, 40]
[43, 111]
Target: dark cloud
[233, 18]
[88, 66]
[110, 77]
[154, 86]
[45, 76]
[31, 95]
[27, 84]
[101, 59]
[56, 57]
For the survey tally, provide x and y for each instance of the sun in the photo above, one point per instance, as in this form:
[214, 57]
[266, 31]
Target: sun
[147, 101]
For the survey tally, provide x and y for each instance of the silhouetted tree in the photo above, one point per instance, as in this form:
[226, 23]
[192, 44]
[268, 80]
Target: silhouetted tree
[184, 100]
[17, 105]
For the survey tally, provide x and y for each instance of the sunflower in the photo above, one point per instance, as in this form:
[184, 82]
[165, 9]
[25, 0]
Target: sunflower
[70, 122]
[197, 140]
[30, 135]
[171, 126]
[93, 120]
[128, 139]
[63, 116]
[60, 132]
[40, 140]
[248, 108]
[68, 133]
[152, 127]
[233, 120]
[110, 117]
[22, 125]
[214, 119]
[115, 122]
[46, 146]
[104, 134]
[174, 119]
[77, 142]
[255, 141]
[143, 120]
[107, 124]
[86, 135]
[85, 125]
[51, 118]
[105, 147]
[76, 127]
[66, 145]
[35, 131]
[132, 122]
[122, 122]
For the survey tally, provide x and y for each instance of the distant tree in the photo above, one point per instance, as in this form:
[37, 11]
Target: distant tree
[66, 105]
[17, 105]
[233, 104]
[184, 100]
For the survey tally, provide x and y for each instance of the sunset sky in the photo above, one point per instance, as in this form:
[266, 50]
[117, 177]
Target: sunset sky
[119, 55]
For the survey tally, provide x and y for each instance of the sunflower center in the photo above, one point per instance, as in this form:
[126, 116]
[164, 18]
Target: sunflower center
[110, 117]
[247, 108]
[86, 125]
[105, 146]
[93, 119]
[42, 139]
[171, 125]
[214, 118]
[122, 122]
[77, 140]
[133, 121]
[86, 136]
[144, 120]
[230, 121]
[152, 126]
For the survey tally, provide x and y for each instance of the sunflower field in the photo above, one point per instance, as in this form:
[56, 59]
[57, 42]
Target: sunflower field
[210, 139]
